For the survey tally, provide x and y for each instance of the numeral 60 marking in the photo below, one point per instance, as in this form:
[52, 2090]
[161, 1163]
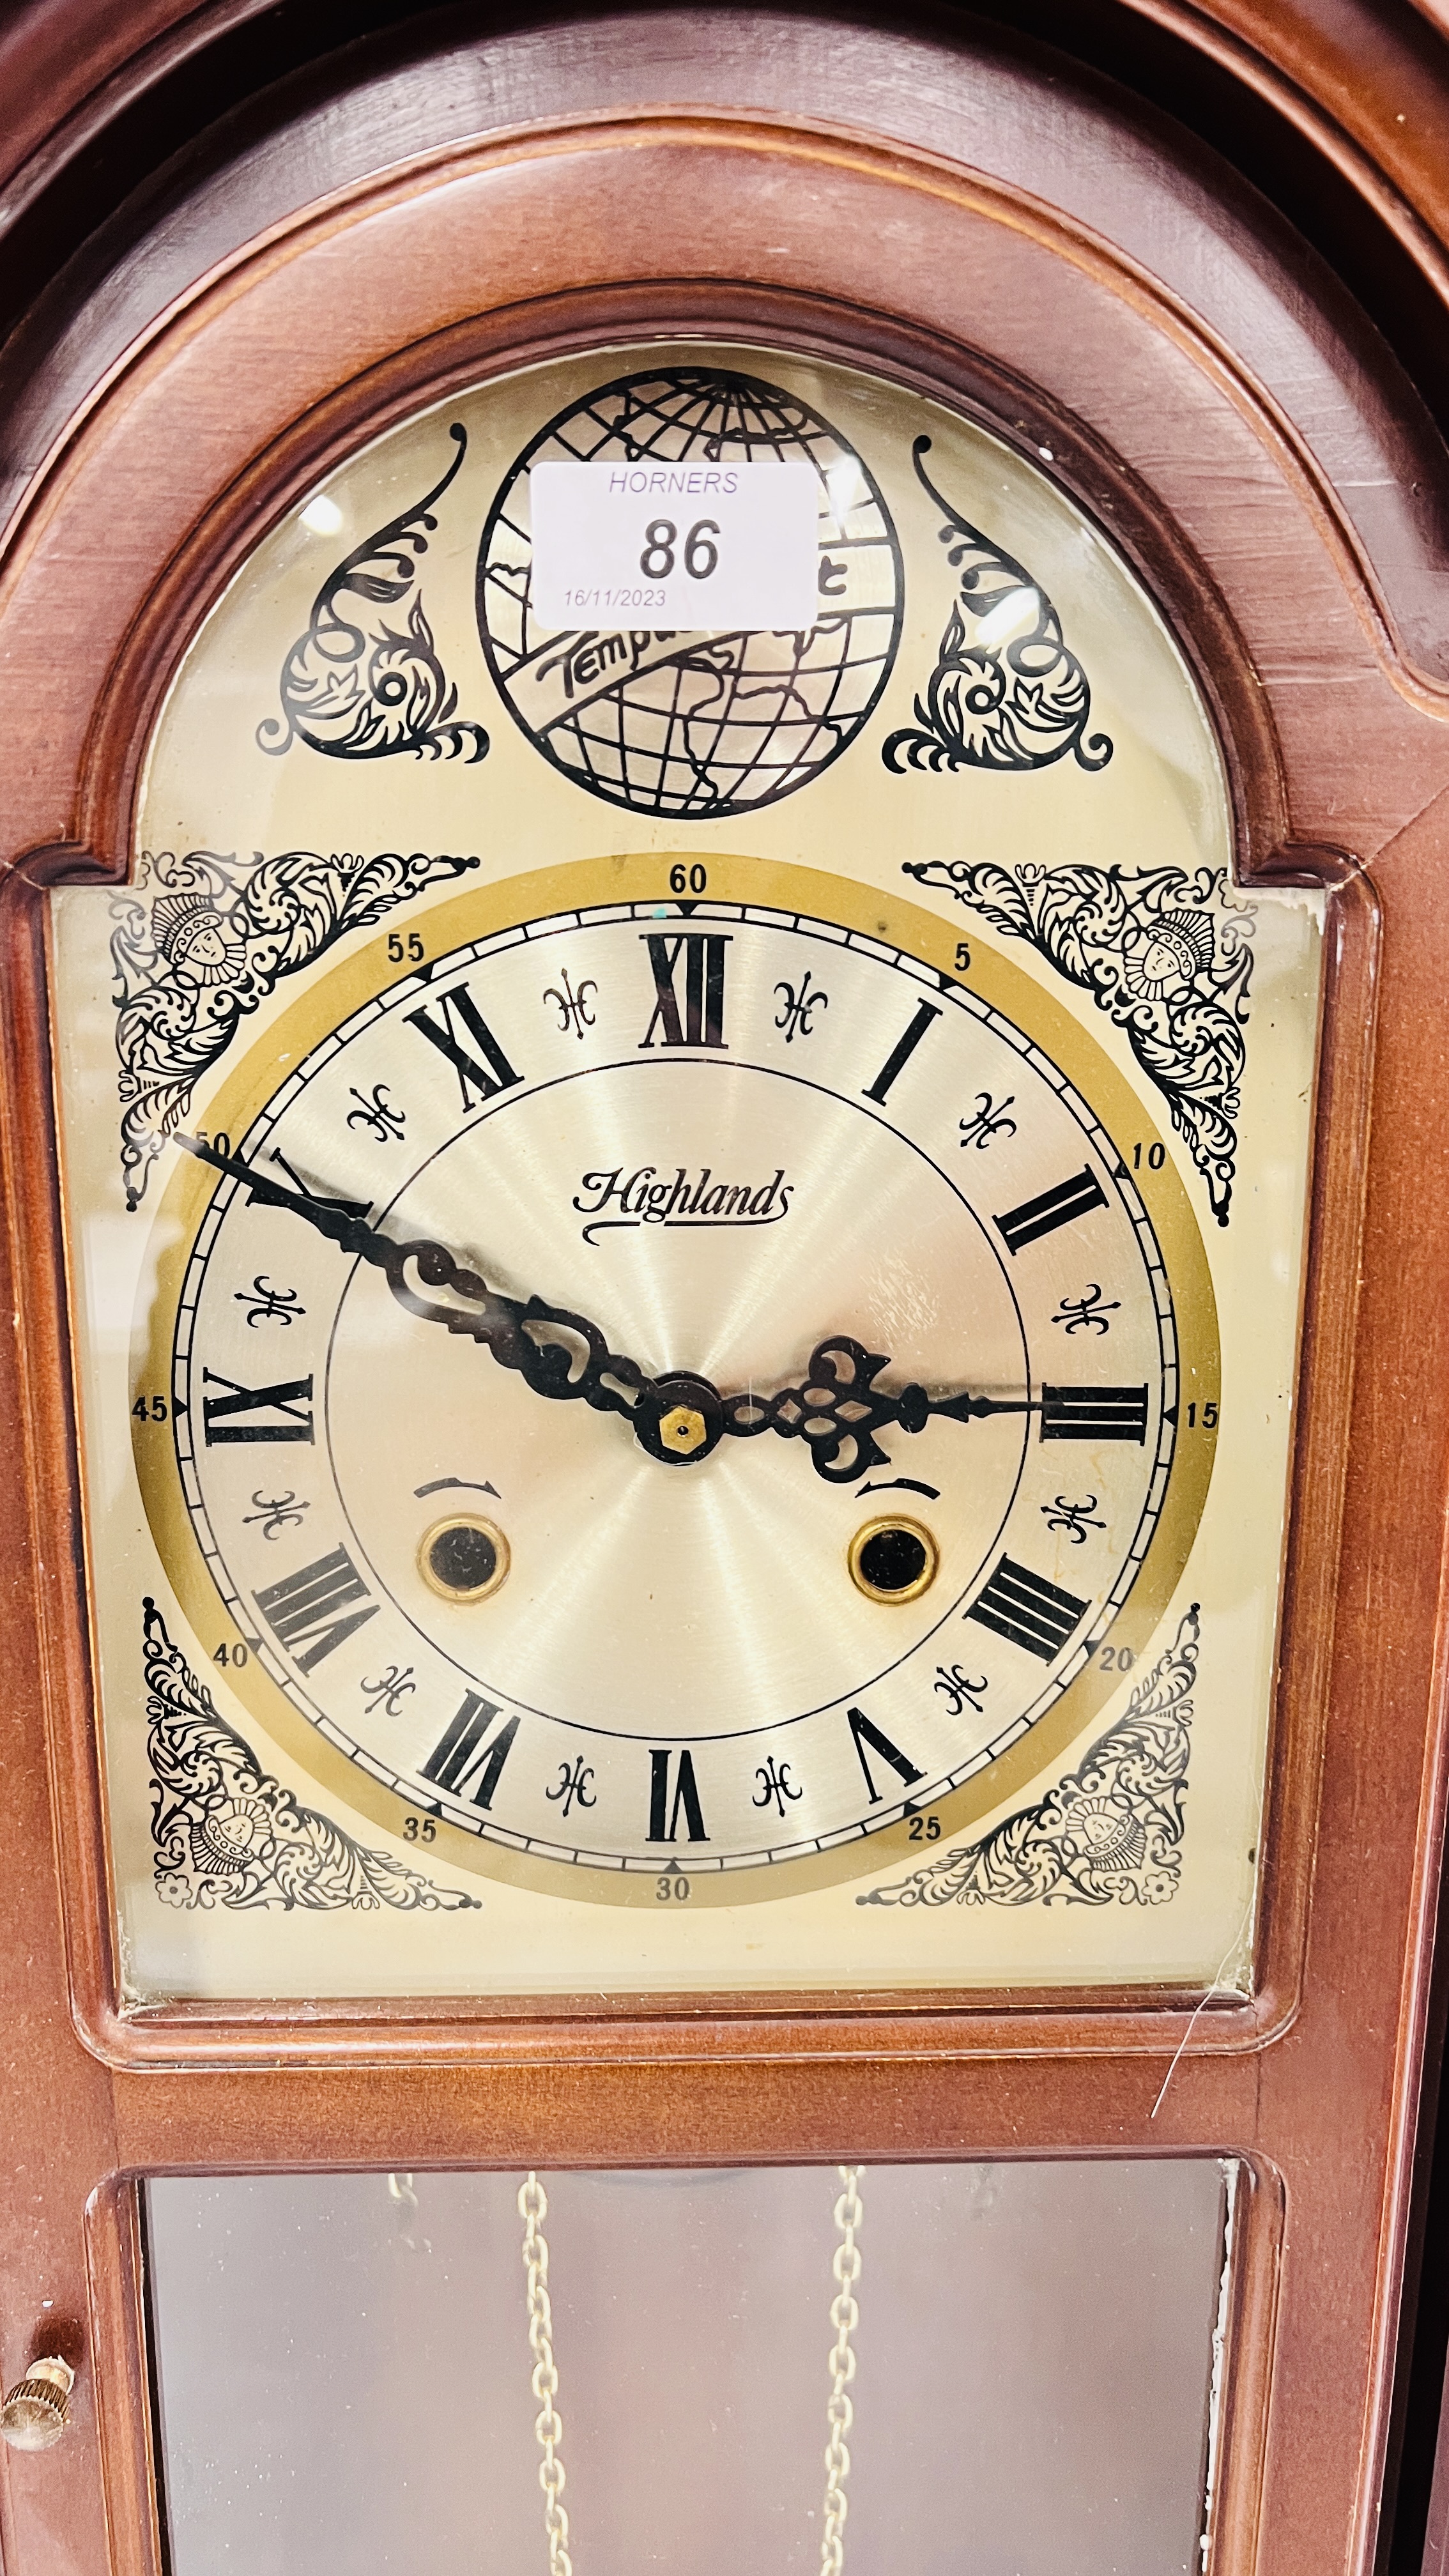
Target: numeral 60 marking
[684, 880]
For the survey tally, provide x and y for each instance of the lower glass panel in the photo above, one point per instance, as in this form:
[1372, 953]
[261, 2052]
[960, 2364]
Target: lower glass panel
[345, 2374]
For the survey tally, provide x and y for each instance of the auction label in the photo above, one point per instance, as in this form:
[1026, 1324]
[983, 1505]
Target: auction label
[679, 547]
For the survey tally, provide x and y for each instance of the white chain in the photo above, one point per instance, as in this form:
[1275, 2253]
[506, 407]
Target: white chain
[533, 2210]
[845, 2317]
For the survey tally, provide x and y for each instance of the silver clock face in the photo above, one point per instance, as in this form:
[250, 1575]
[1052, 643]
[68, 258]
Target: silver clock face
[829, 1421]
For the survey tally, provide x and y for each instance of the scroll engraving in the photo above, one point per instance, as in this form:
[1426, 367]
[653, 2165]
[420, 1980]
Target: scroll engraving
[203, 939]
[1165, 953]
[357, 688]
[227, 1833]
[1007, 691]
[1109, 1834]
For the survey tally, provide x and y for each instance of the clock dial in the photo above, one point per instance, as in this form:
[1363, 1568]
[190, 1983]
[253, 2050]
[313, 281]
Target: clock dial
[676, 1384]
[686, 1247]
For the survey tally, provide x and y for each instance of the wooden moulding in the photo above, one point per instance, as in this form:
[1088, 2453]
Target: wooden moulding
[911, 347]
[1340, 763]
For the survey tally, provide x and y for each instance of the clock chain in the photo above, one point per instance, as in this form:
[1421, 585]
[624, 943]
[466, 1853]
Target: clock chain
[533, 2210]
[840, 2413]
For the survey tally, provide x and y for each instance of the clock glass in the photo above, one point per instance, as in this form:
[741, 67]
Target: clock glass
[687, 1240]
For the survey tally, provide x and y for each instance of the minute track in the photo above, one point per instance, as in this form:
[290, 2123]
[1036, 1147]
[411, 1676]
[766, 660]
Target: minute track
[836, 1410]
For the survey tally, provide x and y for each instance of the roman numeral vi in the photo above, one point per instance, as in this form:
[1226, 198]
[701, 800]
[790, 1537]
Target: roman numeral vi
[686, 1795]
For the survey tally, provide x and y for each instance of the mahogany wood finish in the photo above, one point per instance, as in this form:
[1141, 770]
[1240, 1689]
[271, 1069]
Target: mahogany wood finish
[566, 231]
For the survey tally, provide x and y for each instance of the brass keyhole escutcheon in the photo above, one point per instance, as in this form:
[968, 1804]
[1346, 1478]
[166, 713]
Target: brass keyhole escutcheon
[463, 1558]
[893, 1560]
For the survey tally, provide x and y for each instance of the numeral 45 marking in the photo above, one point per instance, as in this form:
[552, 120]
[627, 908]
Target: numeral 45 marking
[301, 1609]
[292, 1398]
[704, 987]
[464, 1751]
[1023, 1606]
[495, 1074]
[1094, 1413]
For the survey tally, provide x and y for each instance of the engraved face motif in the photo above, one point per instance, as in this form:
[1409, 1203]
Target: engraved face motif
[786, 1409]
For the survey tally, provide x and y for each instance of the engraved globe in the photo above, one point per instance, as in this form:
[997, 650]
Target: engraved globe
[701, 724]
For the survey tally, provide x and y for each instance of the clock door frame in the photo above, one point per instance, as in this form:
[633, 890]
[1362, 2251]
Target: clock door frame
[902, 261]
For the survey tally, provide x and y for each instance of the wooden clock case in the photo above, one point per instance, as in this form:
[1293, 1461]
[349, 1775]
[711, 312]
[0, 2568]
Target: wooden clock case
[993, 227]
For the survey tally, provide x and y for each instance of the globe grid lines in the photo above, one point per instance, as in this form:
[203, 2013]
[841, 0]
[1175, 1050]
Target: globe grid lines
[675, 738]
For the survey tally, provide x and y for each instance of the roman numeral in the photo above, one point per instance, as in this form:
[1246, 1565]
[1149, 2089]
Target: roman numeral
[1094, 1413]
[300, 1610]
[484, 1079]
[1036, 1217]
[288, 1398]
[1026, 1608]
[463, 1750]
[704, 978]
[905, 1045]
[686, 1795]
[865, 1731]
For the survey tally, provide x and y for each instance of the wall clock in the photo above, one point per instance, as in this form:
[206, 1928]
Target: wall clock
[718, 1502]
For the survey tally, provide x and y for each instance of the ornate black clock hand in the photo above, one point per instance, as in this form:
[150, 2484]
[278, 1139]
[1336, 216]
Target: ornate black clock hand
[557, 1353]
[678, 1417]
[839, 1409]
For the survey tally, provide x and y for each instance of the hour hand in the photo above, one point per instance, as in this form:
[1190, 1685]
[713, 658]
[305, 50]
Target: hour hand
[839, 1409]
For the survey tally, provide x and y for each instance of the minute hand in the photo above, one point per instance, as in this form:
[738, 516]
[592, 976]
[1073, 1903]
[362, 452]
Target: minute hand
[541, 1342]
